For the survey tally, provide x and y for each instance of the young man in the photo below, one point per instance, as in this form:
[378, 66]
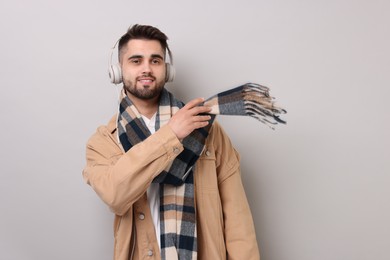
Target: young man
[167, 170]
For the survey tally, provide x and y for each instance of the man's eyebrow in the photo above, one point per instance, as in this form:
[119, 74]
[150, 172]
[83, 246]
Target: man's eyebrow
[135, 57]
[157, 56]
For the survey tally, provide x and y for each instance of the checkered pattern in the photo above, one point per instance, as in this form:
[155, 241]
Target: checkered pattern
[177, 209]
[247, 100]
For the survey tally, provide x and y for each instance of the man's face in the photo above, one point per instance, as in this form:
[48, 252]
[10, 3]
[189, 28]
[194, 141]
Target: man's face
[143, 68]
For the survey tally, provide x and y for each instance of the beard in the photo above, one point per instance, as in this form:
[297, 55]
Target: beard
[146, 92]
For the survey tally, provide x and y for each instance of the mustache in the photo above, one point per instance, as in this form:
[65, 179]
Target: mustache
[146, 75]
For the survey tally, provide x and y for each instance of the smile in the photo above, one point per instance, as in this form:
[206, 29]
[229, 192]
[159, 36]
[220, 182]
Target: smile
[146, 80]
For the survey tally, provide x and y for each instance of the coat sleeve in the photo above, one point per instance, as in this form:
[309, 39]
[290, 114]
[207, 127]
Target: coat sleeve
[120, 179]
[240, 235]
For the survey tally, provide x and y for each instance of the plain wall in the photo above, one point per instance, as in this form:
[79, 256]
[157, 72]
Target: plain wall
[318, 187]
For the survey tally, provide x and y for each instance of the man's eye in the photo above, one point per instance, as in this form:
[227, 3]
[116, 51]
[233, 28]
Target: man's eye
[135, 61]
[156, 61]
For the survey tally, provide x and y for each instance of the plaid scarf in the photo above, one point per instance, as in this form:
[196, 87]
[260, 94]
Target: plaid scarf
[177, 208]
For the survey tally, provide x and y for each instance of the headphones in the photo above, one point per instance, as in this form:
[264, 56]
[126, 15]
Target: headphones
[115, 71]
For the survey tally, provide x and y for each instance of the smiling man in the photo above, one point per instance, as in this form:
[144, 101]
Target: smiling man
[143, 69]
[167, 170]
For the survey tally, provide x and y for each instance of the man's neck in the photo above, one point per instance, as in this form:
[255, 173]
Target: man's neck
[146, 107]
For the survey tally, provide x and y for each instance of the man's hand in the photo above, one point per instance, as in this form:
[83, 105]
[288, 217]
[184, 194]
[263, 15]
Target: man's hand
[187, 119]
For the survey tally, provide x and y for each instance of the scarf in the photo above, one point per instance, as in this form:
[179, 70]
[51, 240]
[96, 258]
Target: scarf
[177, 206]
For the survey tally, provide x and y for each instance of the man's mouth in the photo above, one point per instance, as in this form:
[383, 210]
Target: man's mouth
[144, 80]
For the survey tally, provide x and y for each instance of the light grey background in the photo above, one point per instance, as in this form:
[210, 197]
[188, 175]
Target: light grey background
[318, 187]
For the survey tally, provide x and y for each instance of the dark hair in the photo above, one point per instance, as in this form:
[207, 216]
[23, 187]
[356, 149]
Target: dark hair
[146, 32]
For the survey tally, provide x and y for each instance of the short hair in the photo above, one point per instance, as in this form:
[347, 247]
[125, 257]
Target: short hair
[146, 32]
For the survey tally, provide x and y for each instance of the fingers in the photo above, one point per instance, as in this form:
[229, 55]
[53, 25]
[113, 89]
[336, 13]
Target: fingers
[196, 107]
[190, 117]
[199, 110]
[198, 122]
[193, 103]
[202, 118]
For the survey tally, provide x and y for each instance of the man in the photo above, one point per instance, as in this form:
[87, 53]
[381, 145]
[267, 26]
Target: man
[167, 170]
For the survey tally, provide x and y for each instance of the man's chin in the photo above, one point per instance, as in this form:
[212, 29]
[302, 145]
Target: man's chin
[145, 85]
[146, 94]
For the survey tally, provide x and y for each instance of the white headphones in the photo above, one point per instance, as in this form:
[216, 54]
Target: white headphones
[115, 71]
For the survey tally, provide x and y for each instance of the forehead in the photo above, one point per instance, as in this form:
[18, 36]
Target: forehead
[143, 47]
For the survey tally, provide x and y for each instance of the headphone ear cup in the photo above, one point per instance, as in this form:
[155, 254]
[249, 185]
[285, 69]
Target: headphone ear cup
[115, 73]
[170, 72]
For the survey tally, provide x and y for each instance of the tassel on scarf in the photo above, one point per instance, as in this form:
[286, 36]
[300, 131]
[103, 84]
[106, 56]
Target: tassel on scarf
[249, 99]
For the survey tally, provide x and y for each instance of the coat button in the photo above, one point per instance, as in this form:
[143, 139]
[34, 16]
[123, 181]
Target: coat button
[150, 252]
[176, 150]
[141, 216]
[208, 153]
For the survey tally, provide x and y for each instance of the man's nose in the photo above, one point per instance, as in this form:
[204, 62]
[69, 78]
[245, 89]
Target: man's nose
[146, 67]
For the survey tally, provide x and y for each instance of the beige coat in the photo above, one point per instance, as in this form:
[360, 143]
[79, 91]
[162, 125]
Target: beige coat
[224, 221]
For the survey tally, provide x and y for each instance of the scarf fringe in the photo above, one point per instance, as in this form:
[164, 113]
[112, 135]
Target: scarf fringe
[260, 105]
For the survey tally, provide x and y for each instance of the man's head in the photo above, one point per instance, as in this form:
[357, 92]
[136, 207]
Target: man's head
[142, 53]
[145, 32]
